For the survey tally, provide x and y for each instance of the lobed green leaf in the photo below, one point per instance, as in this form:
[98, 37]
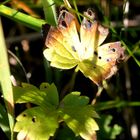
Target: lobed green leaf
[75, 112]
[73, 109]
[36, 123]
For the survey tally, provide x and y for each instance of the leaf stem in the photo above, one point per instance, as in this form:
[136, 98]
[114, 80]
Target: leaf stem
[15, 15]
[69, 87]
[100, 89]
[66, 2]
[76, 9]
[115, 104]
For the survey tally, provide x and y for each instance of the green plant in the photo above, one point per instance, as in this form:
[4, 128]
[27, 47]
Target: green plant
[41, 121]
[62, 112]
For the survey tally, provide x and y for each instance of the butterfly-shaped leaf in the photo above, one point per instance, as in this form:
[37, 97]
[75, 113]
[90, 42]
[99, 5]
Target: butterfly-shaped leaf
[71, 44]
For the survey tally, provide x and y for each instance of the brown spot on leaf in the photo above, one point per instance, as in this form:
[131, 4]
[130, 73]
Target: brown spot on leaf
[34, 119]
[63, 23]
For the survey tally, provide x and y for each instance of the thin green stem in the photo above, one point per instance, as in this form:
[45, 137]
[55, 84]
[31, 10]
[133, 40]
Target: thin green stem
[50, 12]
[115, 104]
[136, 47]
[67, 4]
[100, 89]
[70, 85]
[76, 9]
[126, 47]
[25, 19]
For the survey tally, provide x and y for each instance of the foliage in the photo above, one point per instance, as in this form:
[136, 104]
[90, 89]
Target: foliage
[4, 123]
[6, 86]
[41, 121]
[54, 115]
[106, 130]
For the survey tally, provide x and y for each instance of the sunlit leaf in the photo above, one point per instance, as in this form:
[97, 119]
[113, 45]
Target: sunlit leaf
[73, 109]
[36, 123]
[29, 93]
[76, 112]
[5, 81]
[71, 44]
[51, 93]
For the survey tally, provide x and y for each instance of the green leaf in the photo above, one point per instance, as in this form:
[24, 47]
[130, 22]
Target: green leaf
[51, 93]
[36, 123]
[5, 81]
[88, 69]
[66, 134]
[28, 94]
[73, 109]
[59, 59]
[75, 112]
[45, 97]
[4, 123]
[74, 99]
[107, 131]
